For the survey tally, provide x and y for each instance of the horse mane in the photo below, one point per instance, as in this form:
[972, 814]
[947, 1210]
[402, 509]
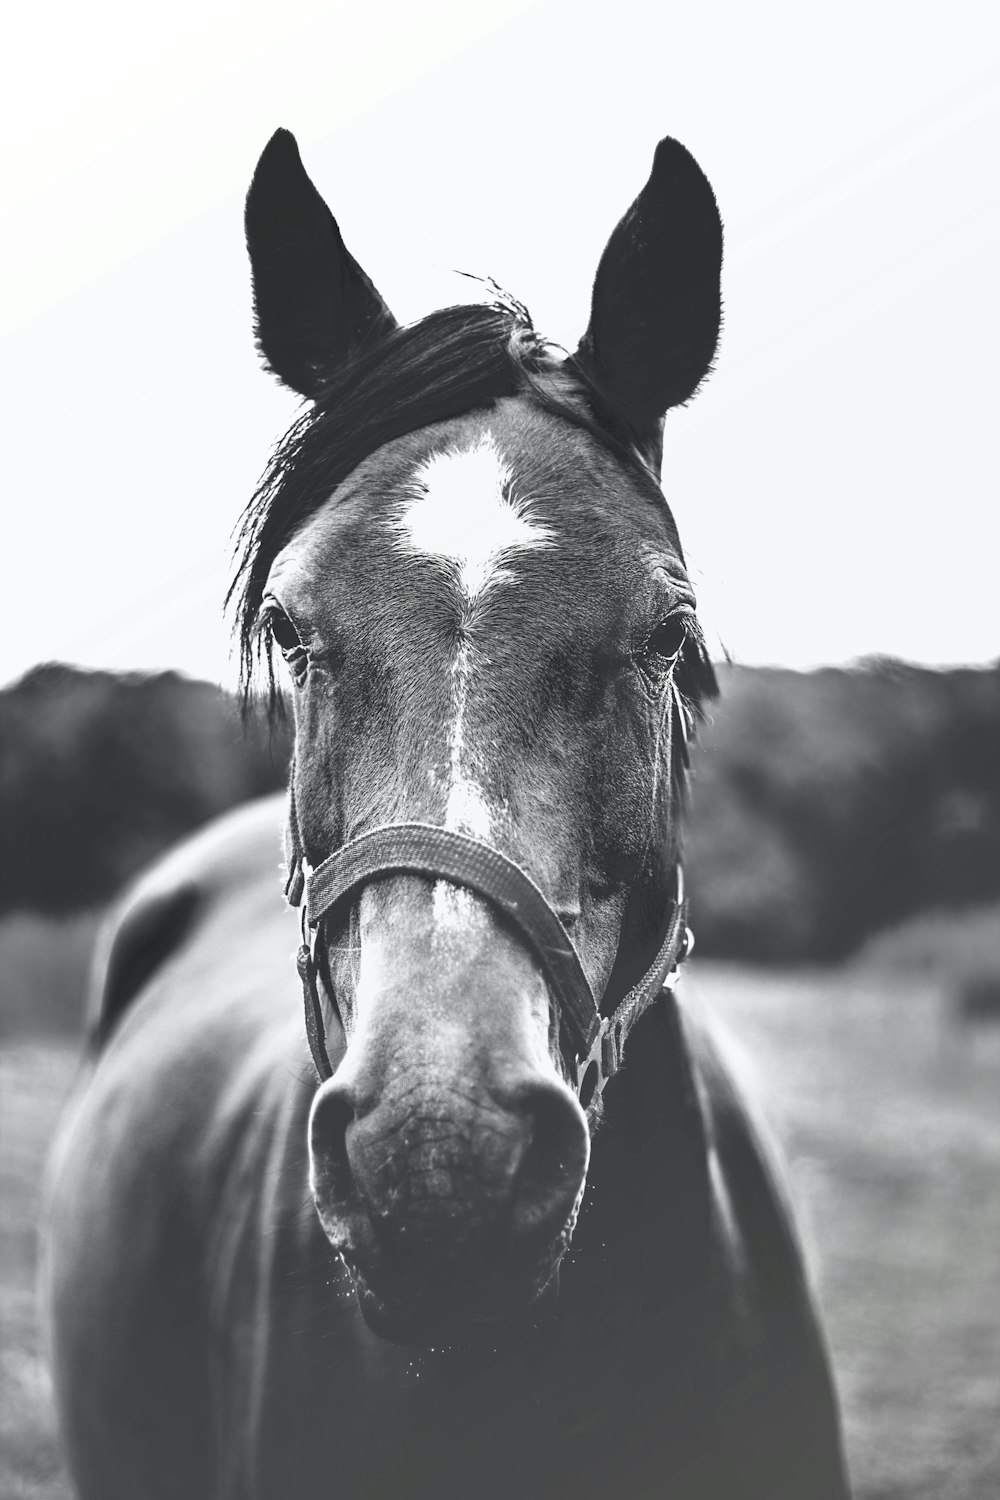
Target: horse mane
[451, 362]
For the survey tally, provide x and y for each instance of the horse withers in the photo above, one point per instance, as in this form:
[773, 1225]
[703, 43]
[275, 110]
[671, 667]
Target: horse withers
[467, 1206]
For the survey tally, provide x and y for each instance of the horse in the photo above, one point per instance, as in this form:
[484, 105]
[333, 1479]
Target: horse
[418, 1178]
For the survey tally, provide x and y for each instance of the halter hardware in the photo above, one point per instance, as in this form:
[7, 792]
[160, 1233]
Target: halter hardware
[595, 1042]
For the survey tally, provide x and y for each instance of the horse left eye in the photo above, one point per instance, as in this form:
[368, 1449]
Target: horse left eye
[283, 632]
[667, 640]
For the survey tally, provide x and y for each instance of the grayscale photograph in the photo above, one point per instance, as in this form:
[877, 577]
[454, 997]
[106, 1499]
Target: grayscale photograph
[500, 752]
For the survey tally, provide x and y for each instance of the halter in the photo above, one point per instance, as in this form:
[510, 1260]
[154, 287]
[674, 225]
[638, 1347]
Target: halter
[594, 1041]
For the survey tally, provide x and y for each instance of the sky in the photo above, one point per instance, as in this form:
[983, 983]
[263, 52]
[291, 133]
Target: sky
[835, 482]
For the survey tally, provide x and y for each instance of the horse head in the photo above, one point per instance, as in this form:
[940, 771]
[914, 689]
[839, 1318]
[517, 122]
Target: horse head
[463, 555]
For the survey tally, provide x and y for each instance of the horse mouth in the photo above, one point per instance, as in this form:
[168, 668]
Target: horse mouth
[438, 1329]
[501, 1312]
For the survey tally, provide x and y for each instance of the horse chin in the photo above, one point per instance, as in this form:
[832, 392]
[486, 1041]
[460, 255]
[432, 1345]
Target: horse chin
[436, 1329]
[498, 1302]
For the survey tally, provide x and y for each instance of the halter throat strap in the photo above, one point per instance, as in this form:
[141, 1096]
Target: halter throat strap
[595, 1042]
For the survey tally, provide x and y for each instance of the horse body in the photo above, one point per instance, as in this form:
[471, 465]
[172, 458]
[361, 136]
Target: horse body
[439, 1273]
[219, 1349]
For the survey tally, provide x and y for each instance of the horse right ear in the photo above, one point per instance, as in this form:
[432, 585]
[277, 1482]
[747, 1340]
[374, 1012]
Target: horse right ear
[656, 309]
[313, 304]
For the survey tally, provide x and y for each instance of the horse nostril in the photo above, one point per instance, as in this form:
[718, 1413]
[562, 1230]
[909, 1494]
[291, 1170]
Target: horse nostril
[332, 1112]
[554, 1164]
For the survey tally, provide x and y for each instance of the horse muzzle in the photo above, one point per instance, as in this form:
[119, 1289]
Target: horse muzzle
[451, 1206]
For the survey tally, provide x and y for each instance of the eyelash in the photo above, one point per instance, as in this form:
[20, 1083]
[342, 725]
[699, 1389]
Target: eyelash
[274, 622]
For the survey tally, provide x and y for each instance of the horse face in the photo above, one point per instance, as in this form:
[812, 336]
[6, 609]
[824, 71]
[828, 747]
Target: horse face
[473, 613]
[484, 623]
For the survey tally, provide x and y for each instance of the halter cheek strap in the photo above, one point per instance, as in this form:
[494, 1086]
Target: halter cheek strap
[594, 1042]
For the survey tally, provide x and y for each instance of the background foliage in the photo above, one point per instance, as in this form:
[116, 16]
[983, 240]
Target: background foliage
[825, 806]
[835, 813]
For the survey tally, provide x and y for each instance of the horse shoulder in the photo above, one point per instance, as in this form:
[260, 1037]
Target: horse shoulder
[196, 1041]
[198, 1076]
[785, 1388]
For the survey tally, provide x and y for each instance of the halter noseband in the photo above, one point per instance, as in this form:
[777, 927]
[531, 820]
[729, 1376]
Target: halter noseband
[595, 1042]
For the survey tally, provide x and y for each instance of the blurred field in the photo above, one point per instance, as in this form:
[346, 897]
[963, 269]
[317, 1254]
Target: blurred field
[888, 1107]
[34, 1080]
[44, 968]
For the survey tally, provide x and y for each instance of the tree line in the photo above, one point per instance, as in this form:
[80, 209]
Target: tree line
[823, 806]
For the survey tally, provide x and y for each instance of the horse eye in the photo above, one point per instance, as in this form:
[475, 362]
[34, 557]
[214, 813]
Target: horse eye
[283, 632]
[667, 640]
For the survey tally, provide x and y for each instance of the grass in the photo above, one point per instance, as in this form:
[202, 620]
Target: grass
[34, 1081]
[889, 1112]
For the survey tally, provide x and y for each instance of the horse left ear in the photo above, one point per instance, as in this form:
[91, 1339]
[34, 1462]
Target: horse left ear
[656, 309]
[313, 303]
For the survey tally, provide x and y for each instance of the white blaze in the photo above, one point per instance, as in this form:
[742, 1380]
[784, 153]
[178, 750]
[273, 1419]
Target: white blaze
[467, 810]
[462, 511]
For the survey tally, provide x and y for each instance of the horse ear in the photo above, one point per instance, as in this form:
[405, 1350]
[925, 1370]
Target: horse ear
[656, 310]
[313, 304]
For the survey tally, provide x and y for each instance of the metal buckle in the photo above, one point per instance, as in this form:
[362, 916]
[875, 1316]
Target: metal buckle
[592, 1073]
[604, 1056]
[601, 1063]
